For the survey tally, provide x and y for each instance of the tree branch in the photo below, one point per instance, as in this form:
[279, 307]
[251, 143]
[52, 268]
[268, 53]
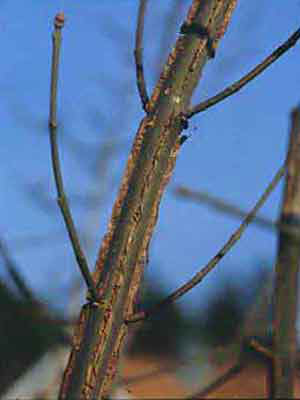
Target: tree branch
[286, 273]
[101, 331]
[199, 276]
[238, 85]
[61, 197]
[138, 55]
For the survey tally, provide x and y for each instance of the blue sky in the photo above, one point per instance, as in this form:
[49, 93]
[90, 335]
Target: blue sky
[235, 149]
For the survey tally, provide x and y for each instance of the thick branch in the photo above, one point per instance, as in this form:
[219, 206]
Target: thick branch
[138, 55]
[286, 273]
[101, 330]
[238, 85]
[61, 197]
[199, 276]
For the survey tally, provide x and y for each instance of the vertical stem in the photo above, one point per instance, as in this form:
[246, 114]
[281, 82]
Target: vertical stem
[100, 332]
[61, 197]
[287, 266]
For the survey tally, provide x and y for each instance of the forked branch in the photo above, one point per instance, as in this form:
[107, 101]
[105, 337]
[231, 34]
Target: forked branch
[101, 331]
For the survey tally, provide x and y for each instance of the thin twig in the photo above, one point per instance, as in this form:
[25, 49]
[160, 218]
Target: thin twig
[222, 206]
[235, 87]
[138, 55]
[61, 197]
[215, 260]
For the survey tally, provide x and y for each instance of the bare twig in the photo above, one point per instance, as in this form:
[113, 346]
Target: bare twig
[235, 87]
[222, 206]
[286, 274]
[138, 55]
[61, 197]
[215, 260]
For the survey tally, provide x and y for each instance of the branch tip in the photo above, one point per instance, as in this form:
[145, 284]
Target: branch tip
[59, 20]
[138, 55]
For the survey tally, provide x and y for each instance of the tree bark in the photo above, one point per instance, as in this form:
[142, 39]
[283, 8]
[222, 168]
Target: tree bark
[286, 273]
[101, 329]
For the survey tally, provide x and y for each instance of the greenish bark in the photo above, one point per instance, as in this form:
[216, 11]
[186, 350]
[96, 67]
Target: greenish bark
[101, 328]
